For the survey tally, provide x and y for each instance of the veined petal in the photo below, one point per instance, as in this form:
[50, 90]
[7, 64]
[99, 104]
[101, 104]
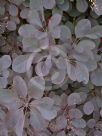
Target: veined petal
[20, 86]
[36, 87]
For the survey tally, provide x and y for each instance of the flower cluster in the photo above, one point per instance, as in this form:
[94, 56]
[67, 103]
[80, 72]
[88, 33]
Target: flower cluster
[50, 68]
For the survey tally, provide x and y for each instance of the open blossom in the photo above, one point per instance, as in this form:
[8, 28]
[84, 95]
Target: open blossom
[39, 33]
[28, 101]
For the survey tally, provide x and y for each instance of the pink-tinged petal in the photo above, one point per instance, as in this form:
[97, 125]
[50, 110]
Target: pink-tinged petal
[16, 121]
[82, 73]
[46, 108]
[41, 35]
[65, 33]
[82, 57]
[91, 65]
[54, 51]
[85, 45]
[36, 87]
[28, 74]
[82, 28]
[37, 121]
[24, 13]
[3, 82]
[19, 123]
[63, 99]
[35, 17]
[47, 114]
[56, 32]
[20, 86]
[27, 31]
[36, 5]
[79, 123]
[46, 102]
[44, 43]
[60, 63]
[48, 62]
[5, 62]
[5, 73]
[96, 77]
[78, 72]
[55, 20]
[58, 76]
[22, 63]
[71, 71]
[61, 122]
[88, 108]
[75, 113]
[8, 99]
[43, 68]
[38, 57]
[74, 99]
[30, 45]
[48, 4]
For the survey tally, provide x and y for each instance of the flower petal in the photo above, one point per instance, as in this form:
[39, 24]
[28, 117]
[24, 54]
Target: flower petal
[46, 108]
[48, 4]
[16, 121]
[36, 87]
[20, 86]
[37, 121]
[22, 63]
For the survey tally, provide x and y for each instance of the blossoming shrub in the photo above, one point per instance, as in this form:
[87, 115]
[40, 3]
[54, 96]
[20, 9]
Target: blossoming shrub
[50, 67]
